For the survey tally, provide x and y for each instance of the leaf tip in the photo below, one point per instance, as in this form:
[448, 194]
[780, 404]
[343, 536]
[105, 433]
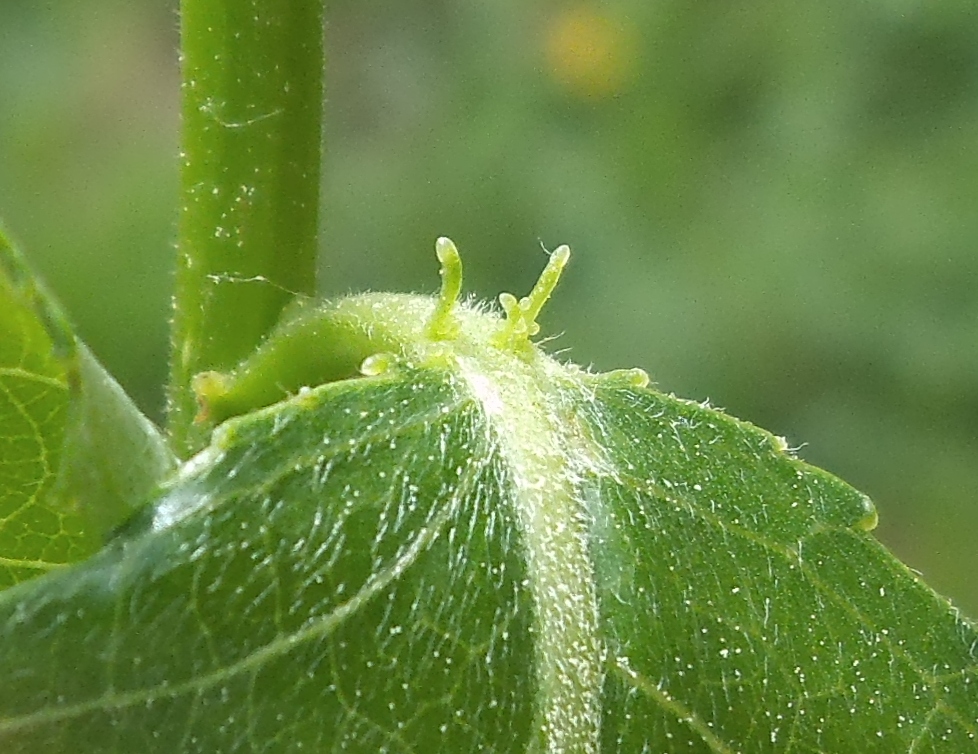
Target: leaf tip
[870, 517]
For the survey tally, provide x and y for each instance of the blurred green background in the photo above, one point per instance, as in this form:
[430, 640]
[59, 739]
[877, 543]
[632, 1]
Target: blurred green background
[771, 204]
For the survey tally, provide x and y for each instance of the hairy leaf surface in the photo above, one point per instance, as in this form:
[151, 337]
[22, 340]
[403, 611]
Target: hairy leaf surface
[480, 549]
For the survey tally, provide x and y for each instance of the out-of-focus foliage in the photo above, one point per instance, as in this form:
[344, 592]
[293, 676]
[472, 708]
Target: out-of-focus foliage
[771, 204]
[88, 169]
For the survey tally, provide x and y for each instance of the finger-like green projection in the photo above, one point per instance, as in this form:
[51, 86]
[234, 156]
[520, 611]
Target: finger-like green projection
[319, 343]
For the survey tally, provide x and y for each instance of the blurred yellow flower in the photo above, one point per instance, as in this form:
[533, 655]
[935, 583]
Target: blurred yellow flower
[587, 52]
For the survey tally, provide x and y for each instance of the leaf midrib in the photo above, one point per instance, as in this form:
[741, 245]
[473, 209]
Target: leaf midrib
[535, 443]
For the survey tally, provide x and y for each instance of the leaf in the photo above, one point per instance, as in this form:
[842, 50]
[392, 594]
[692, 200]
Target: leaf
[77, 456]
[481, 549]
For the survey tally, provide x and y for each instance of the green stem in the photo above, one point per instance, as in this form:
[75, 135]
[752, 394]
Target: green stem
[252, 82]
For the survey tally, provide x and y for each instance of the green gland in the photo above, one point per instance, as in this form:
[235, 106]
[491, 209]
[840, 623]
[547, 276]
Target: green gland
[521, 316]
[443, 325]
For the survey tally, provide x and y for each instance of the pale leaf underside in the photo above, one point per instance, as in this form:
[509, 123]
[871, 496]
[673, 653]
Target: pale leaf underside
[76, 455]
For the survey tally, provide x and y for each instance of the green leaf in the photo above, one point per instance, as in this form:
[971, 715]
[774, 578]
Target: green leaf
[477, 548]
[77, 456]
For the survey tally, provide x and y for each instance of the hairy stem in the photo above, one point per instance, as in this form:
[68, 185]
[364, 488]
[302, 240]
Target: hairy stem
[252, 82]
